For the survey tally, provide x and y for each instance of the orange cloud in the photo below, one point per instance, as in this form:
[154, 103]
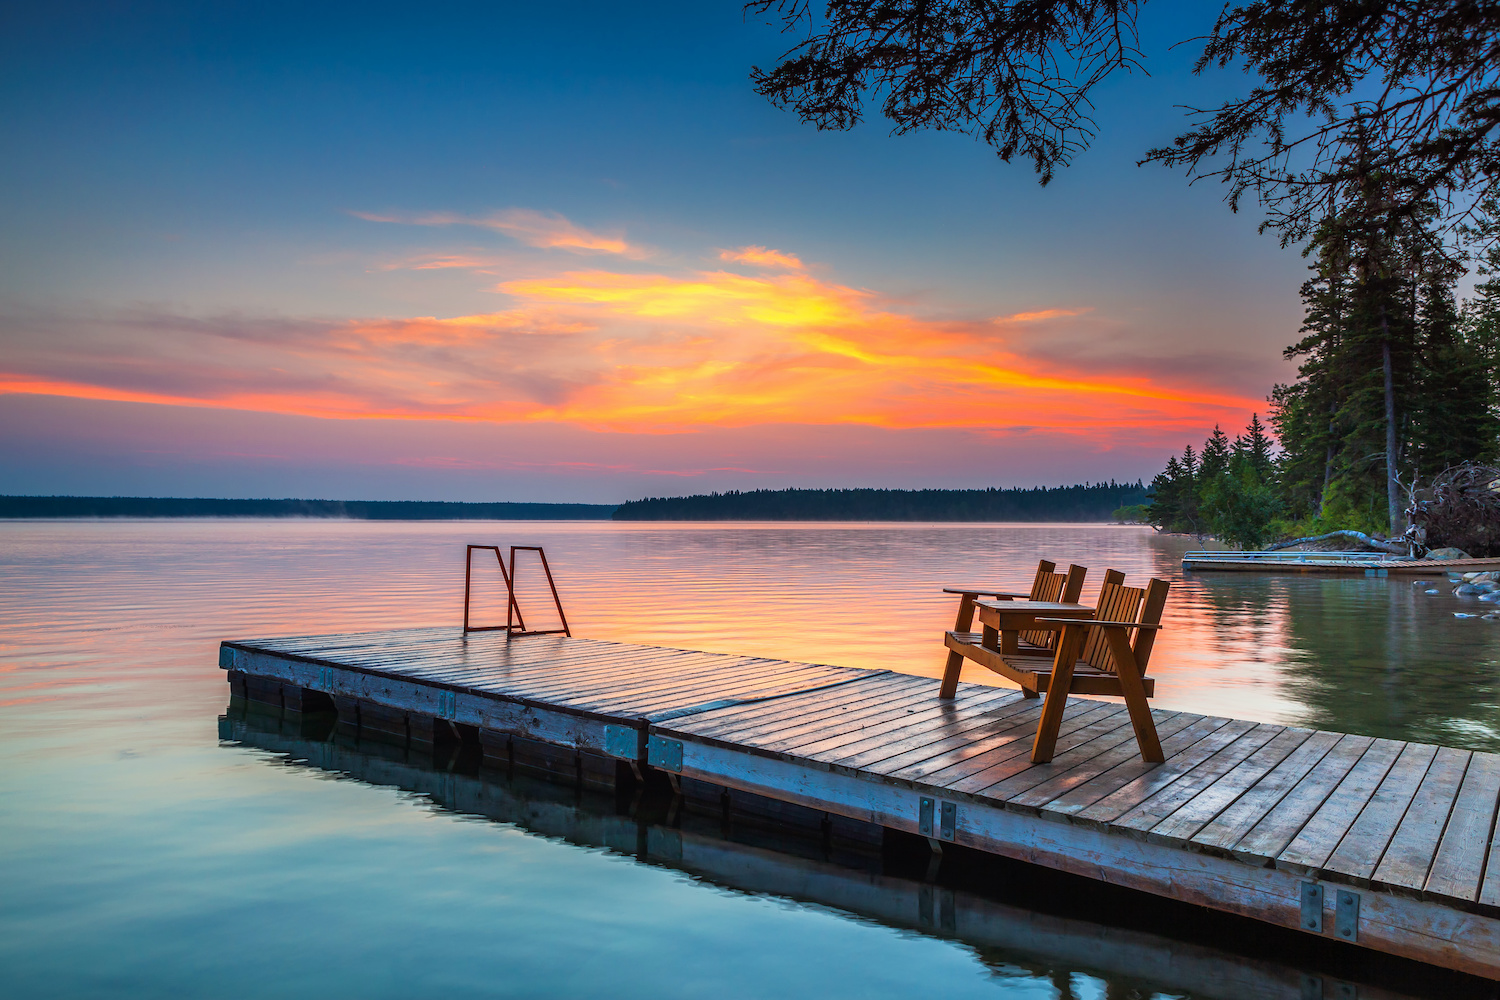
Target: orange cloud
[647, 353]
[1036, 317]
[547, 230]
[762, 257]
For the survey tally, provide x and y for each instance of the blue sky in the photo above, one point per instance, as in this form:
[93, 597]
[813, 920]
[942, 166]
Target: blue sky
[181, 170]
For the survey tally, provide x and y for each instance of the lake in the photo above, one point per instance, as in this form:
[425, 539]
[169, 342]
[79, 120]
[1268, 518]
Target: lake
[145, 856]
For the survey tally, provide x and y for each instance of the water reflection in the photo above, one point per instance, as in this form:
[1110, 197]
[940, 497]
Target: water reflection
[1071, 948]
[142, 860]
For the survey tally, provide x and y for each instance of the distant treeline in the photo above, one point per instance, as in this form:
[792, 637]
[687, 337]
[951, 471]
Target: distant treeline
[363, 510]
[1087, 502]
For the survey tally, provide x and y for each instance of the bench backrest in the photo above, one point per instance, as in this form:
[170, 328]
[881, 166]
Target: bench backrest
[1119, 603]
[1053, 586]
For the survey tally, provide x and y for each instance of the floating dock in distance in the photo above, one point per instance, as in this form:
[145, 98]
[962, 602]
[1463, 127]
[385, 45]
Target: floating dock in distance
[1382, 844]
[1346, 563]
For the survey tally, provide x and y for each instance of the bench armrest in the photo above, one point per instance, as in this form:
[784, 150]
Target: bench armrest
[980, 592]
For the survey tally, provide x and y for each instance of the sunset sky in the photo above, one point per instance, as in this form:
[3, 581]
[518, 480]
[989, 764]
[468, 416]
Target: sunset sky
[563, 252]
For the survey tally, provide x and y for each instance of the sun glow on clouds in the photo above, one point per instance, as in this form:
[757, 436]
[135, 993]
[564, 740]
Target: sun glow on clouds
[669, 350]
[762, 257]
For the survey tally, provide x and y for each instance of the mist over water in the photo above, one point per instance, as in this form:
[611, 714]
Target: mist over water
[143, 858]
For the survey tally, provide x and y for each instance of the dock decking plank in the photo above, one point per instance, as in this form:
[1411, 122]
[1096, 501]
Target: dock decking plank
[749, 720]
[1458, 866]
[817, 715]
[1079, 742]
[1312, 846]
[1168, 725]
[1259, 801]
[1006, 789]
[893, 700]
[1149, 780]
[1082, 793]
[1273, 832]
[1006, 743]
[1364, 843]
[880, 727]
[1179, 826]
[917, 762]
[1164, 801]
[930, 737]
[1409, 856]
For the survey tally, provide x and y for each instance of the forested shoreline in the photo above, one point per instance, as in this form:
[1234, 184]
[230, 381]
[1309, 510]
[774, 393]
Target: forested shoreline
[1392, 427]
[1084, 502]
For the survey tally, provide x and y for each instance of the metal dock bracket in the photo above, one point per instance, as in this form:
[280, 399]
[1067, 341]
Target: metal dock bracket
[664, 753]
[941, 815]
[1312, 907]
[622, 741]
[1346, 916]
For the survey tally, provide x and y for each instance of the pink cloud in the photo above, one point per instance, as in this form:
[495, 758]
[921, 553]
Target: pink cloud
[547, 230]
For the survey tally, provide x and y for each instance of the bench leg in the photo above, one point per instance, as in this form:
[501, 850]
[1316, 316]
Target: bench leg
[1057, 694]
[955, 664]
[1134, 693]
[951, 670]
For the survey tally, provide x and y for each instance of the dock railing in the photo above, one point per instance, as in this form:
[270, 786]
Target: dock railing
[515, 623]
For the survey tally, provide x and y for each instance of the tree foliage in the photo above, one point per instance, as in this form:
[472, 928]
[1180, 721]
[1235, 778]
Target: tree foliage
[1416, 83]
[1393, 385]
[1084, 502]
[1229, 492]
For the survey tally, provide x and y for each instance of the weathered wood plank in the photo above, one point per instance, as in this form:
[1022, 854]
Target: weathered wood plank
[1093, 741]
[880, 726]
[1058, 782]
[1088, 789]
[1409, 856]
[813, 712]
[917, 762]
[1311, 847]
[1458, 867]
[1151, 811]
[1152, 779]
[750, 720]
[1258, 802]
[1363, 845]
[1179, 826]
[937, 726]
[1078, 737]
[891, 702]
[1015, 738]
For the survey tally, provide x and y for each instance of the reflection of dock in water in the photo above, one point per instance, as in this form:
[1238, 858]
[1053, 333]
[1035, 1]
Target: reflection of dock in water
[1335, 839]
[1027, 920]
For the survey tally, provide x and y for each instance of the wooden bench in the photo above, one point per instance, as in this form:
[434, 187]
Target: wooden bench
[1106, 654]
[1048, 585]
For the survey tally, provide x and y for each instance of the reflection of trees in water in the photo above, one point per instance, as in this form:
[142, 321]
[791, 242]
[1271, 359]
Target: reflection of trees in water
[1375, 656]
[1381, 658]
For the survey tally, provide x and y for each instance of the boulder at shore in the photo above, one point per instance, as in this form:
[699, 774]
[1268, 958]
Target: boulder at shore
[1447, 553]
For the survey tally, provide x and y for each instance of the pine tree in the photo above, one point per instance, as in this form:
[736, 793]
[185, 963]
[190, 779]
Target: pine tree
[1255, 447]
[1215, 457]
[1453, 417]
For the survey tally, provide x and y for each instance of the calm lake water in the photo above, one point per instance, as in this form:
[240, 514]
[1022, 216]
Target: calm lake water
[142, 855]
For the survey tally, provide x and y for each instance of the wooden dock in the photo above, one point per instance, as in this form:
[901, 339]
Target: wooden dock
[1338, 563]
[1020, 920]
[1376, 843]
